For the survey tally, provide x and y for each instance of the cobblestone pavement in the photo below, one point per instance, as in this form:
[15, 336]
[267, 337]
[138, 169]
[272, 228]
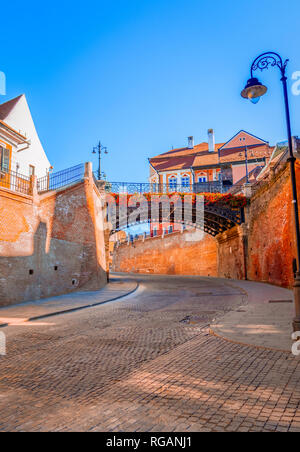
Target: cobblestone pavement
[146, 363]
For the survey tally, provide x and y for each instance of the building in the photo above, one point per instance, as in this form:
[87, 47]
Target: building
[11, 142]
[210, 162]
[21, 151]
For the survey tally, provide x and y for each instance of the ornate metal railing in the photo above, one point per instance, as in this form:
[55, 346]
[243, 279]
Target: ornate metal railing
[61, 179]
[200, 187]
[15, 181]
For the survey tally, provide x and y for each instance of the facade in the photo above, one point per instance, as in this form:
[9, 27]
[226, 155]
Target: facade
[210, 162]
[21, 151]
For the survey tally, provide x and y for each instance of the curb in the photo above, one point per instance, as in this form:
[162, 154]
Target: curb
[259, 347]
[79, 308]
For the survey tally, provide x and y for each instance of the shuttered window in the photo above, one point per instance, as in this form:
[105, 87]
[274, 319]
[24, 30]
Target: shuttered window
[4, 159]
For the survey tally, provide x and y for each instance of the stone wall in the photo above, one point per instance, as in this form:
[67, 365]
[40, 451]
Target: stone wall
[175, 254]
[52, 243]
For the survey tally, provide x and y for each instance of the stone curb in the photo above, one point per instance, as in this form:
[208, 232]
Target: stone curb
[78, 308]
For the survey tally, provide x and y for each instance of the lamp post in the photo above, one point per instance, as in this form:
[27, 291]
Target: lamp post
[99, 149]
[253, 91]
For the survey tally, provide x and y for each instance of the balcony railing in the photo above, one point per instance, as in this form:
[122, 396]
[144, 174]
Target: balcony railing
[15, 181]
[200, 187]
[60, 179]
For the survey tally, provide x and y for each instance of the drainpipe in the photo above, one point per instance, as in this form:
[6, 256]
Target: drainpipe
[193, 177]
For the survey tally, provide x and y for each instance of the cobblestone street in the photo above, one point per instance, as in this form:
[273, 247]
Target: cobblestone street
[146, 362]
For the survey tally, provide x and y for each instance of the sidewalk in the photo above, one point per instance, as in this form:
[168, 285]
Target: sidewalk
[265, 321]
[46, 307]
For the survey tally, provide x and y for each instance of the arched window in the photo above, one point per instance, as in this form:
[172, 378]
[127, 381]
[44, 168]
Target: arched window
[185, 181]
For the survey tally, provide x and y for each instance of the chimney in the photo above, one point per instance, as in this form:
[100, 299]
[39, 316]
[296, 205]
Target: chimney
[211, 140]
[191, 142]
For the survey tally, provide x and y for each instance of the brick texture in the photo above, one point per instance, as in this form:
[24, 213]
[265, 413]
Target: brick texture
[51, 244]
[175, 254]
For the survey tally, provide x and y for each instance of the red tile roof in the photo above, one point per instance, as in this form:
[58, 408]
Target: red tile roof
[184, 158]
[7, 107]
[238, 154]
[229, 152]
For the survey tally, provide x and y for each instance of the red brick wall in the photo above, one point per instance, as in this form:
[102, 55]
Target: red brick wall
[176, 254]
[271, 242]
[51, 244]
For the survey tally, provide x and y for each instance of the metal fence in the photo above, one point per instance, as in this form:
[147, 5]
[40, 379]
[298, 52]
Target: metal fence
[200, 187]
[15, 181]
[61, 179]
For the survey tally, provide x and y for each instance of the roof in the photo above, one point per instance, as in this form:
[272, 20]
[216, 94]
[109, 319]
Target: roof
[184, 158]
[187, 151]
[233, 151]
[237, 154]
[8, 106]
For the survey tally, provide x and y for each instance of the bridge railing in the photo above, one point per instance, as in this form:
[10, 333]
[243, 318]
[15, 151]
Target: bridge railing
[199, 187]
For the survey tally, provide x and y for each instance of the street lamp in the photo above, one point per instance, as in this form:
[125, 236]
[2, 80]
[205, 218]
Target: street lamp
[253, 91]
[99, 149]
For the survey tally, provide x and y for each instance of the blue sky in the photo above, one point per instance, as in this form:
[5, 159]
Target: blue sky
[142, 75]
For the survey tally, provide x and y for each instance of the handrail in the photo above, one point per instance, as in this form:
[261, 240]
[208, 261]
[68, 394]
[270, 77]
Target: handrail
[15, 181]
[52, 181]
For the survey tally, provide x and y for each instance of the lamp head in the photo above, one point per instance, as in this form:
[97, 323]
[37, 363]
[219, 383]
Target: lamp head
[253, 90]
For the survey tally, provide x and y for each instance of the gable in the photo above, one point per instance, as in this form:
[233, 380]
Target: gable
[242, 139]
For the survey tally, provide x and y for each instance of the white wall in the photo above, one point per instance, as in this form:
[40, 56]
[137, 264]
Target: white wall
[21, 120]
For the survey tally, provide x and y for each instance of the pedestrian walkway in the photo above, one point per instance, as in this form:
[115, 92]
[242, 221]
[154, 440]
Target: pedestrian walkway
[34, 310]
[265, 321]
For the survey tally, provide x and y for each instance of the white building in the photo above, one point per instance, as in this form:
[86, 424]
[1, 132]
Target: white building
[27, 156]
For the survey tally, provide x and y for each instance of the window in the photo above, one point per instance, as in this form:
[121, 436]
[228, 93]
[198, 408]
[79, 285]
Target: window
[31, 170]
[185, 181]
[202, 179]
[173, 183]
[4, 159]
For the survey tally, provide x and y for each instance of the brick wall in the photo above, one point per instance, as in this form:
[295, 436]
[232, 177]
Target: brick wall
[231, 257]
[51, 244]
[181, 254]
[271, 242]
